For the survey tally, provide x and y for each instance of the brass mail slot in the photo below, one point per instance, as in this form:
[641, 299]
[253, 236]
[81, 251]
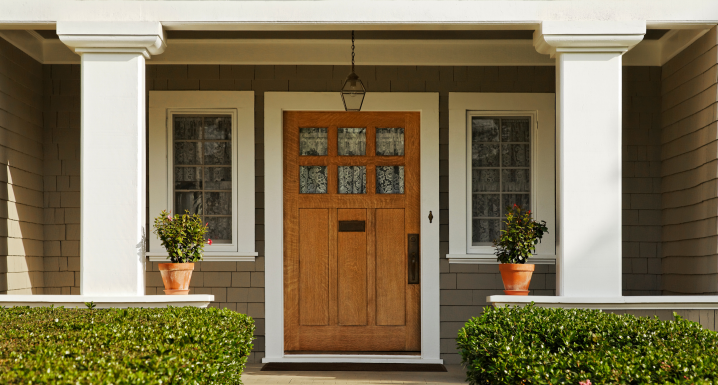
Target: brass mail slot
[352, 226]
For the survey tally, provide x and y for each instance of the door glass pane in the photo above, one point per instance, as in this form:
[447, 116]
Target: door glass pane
[389, 141]
[352, 179]
[501, 172]
[389, 179]
[313, 141]
[203, 171]
[313, 179]
[351, 141]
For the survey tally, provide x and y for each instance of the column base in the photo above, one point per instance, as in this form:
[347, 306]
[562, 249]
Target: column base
[106, 302]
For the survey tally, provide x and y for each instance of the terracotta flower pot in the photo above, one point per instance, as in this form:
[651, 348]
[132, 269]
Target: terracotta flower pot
[516, 277]
[176, 277]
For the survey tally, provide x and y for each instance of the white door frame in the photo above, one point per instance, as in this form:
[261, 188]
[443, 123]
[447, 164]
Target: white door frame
[274, 104]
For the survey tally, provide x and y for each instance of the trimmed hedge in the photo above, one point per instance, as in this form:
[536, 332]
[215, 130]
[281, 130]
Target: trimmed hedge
[532, 345]
[174, 345]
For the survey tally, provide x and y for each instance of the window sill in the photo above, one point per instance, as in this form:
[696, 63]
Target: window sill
[485, 259]
[213, 256]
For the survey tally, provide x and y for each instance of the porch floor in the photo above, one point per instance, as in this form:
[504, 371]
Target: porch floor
[252, 375]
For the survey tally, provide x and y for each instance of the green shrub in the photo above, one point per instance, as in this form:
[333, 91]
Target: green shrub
[123, 346]
[532, 345]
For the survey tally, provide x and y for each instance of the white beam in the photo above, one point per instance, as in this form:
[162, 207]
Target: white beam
[588, 134]
[337, 14]
[113, 158]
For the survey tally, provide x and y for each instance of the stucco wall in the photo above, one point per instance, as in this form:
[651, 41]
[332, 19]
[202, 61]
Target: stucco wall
[21, 184]
[240, 285]
[689, 155]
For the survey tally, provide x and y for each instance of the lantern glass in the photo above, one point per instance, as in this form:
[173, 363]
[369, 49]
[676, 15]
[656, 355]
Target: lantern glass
[353, 93]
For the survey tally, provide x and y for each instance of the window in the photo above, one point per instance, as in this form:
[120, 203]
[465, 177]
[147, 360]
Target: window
[501, 153]
[203, 171]
[201, 160]
[500, 172]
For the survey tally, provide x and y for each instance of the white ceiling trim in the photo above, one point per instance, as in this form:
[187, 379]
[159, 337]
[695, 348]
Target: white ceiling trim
[369, 52]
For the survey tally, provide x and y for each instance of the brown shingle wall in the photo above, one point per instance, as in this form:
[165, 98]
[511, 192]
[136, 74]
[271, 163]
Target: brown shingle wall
[21, 185]
[61, 141]
[689, 156]
[641, 181]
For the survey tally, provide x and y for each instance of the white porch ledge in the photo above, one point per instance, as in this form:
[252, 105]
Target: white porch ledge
[210, 256]
[609, 303]
[106, 302]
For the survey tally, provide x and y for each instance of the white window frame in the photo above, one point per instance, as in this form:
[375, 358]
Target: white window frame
[163, 105]
[541, 110]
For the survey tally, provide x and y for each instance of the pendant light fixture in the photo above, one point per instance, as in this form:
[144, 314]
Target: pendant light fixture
[353, 91]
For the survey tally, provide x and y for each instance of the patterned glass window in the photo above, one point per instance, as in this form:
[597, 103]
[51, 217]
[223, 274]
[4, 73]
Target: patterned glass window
[313, 141]
[389, 179]
[351, 141]
[500, 173]
[202, 151]
[389, 141]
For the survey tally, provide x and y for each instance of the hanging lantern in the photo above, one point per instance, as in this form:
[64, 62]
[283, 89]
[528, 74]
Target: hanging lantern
[353, 91]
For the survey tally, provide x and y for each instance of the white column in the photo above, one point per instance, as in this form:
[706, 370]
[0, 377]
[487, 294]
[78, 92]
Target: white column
[588, 151]
[112, 219]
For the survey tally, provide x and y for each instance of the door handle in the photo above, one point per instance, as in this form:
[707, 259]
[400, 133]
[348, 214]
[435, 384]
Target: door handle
[414, 258]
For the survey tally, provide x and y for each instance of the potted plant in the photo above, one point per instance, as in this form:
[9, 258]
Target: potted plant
[514, 247]
[183, 238]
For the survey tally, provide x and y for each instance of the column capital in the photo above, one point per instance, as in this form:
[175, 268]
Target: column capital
[145, 37]
[588, 36]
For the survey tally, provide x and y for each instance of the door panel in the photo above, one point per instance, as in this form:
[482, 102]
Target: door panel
[351, 197]
[314, 267]
[351, 275]
[391, 272]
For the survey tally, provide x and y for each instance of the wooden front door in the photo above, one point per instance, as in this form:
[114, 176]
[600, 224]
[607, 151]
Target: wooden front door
[351, 214]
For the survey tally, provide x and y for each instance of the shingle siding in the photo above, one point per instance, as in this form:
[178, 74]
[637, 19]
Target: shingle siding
[689, 169]
[21, 181]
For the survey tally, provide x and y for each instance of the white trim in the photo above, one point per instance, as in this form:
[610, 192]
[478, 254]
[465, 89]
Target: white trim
[106, 302]
[631, 302]
[209, 256]
[472, 259]
[355, 358]
[274, 104]
[240, 104]
[542, 108]
[372, 52]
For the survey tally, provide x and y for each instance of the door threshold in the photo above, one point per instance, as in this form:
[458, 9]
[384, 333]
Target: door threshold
[304, 353]
[356, 358]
